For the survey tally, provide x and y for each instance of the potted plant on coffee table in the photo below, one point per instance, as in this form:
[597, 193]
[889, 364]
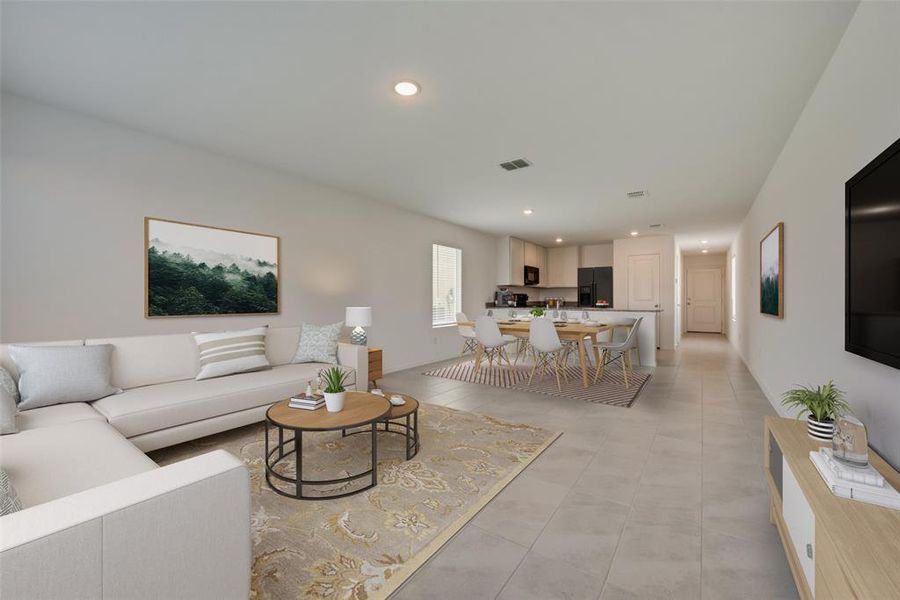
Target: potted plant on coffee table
[334, 379]
[824, 404]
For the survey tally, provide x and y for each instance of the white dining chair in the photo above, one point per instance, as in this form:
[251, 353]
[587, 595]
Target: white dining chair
[491, 342]
[547, 349]
[604, 350]
[467, 333]
[626, 324]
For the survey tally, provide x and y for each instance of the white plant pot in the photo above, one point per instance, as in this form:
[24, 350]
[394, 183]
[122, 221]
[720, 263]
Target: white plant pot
[821, 431]
[334, 402]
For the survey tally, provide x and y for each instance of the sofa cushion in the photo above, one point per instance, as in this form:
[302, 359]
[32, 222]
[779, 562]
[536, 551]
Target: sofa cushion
[281, 344]
[149, 359]
[56, 374]
[9, 398]
[58, 414]
[9, 497]
[51, 462]
[142, 410]
[318, 343]
[7, 362]
[231, 352]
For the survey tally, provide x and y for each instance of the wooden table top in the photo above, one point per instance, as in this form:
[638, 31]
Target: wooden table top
[360, 408]
[563, 329]
[398, 412]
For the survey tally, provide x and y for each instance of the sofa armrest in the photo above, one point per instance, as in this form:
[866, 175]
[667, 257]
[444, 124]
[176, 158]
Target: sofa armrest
[180, 531]
[357, 358]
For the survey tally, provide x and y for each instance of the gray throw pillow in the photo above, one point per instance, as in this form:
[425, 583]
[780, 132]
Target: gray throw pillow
[9, 396]
[318, 343]
[57, 374]
[9, 498]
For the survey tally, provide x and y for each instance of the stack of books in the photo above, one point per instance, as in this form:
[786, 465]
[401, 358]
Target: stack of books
[305, 402]
[863, 484]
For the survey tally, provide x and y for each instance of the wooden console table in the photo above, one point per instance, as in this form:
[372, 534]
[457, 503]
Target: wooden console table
[836, 548]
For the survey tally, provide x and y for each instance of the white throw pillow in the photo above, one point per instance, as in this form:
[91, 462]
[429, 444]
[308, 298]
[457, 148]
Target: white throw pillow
[9, 396]
[230, 352]
[318, 343]
[57, 374]
[9, 498]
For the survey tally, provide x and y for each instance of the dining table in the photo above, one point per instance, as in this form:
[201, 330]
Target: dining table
[567, 330]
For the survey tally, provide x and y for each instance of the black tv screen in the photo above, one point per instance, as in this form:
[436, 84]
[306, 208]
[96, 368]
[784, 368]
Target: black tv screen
[872, 308]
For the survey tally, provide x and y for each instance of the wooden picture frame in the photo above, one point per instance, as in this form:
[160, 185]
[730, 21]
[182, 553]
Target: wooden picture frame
[771, 272]
[206, 271]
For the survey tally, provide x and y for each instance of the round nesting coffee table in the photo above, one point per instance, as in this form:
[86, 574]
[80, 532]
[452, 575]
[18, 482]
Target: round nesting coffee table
[405, 422]
[360, 409]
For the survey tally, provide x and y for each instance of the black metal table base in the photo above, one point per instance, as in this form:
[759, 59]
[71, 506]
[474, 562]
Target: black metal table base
[409, 430]
[294, 446]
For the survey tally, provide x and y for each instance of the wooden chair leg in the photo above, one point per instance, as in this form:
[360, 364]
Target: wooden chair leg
[624, 370]
[556, 364]
[531, 375]
[601, 365]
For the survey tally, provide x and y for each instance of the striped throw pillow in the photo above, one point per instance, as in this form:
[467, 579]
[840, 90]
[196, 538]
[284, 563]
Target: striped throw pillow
[231, 352]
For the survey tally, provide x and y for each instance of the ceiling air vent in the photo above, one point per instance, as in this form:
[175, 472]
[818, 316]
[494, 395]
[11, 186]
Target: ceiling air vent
[519, 163]
[637, 194]
[655, 225]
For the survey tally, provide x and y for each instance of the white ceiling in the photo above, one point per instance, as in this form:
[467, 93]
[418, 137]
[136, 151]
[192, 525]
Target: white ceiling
[690, 100]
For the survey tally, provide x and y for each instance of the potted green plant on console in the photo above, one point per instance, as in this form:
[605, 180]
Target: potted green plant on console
[333, 379]
[825, 403]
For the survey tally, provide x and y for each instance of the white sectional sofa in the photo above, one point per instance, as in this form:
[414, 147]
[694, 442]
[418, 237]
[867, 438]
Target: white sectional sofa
[100, 518]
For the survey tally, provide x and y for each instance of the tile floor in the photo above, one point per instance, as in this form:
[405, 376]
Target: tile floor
[665, 499]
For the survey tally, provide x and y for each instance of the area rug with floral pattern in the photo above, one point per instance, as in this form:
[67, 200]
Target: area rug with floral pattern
[364, 546]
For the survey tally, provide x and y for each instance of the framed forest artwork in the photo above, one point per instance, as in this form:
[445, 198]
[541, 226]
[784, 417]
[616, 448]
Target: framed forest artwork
[197, 270]
[771, 273]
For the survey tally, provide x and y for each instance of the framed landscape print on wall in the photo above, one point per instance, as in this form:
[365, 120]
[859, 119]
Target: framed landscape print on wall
[771, 273]
[197, 270]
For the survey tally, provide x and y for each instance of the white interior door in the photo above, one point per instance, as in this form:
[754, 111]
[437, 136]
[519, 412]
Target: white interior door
[643, 282]
[704, 300]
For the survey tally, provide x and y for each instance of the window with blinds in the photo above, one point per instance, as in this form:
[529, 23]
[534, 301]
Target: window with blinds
[446, 283]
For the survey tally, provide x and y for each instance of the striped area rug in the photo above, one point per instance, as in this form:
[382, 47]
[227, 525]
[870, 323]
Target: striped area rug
[609, 390]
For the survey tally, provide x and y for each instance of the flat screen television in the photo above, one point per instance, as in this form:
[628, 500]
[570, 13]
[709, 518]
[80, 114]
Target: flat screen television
[872, 305]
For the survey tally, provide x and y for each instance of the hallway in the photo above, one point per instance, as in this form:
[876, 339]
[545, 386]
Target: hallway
[665, 499]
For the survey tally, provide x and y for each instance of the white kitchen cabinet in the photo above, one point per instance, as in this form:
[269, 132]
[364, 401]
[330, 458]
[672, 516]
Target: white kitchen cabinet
[541, 264]
[510, 261]
[531, 254]
[562, 267]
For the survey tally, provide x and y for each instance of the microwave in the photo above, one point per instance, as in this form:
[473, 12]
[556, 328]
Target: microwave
[532, 275]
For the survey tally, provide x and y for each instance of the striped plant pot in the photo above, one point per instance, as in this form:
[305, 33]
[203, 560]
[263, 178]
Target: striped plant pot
[821, 431]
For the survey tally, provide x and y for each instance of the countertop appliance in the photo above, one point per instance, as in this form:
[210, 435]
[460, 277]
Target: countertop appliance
[504, 297]
[532, 275]
[595, 286]
[521, 299]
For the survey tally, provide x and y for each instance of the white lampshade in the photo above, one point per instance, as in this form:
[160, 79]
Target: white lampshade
[358, 316]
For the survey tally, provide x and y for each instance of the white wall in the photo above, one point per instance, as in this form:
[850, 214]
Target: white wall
[596, 255]
[664, 246]
[691, 261]
[852, 116]
[75, 191]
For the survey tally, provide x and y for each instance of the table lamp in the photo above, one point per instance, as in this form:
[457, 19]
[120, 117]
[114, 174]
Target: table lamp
[358, 317]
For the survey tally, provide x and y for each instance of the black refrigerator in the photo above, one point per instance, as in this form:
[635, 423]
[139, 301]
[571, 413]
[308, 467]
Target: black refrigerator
[595, 283]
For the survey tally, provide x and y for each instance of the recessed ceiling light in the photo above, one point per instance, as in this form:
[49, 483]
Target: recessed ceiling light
[704, 251]
[406, 88]
[634, 233]
[559, 240]
[704, 241]
[527, 211]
